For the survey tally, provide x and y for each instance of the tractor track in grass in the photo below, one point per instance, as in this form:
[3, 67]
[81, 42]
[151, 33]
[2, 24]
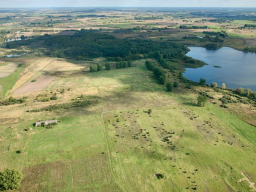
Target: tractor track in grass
[109, 154]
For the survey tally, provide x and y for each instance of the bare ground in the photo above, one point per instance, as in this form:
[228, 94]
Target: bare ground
[42, 82]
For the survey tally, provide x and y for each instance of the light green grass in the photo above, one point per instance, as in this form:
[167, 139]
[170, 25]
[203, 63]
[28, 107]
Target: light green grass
[8, 82]
[93, 149]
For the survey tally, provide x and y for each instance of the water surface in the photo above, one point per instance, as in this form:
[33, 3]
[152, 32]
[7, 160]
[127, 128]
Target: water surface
[235, 68]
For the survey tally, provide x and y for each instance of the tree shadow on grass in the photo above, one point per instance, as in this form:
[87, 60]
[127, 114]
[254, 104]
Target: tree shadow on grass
[190, 104]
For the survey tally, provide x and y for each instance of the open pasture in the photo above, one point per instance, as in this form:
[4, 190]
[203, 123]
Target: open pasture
[117, 145]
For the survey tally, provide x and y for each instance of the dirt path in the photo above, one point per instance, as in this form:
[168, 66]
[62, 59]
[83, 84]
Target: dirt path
[252, 185]
[42, 82]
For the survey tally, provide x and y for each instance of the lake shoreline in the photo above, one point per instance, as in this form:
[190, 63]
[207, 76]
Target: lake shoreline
[225, 65]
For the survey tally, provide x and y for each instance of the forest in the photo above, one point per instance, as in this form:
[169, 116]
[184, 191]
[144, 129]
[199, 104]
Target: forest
[91, 44]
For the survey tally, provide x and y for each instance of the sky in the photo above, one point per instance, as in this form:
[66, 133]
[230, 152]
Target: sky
[127, 3]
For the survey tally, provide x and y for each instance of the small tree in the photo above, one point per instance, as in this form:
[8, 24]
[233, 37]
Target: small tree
[214, 85]
[117, 65]
[10, 179]
[201, 100]
[169, 87]
[93, 68]
[180, 75]
[129, 64]
[202, 81]
[107, 66]
[240, 90]
[99, 67]
[175, 84]
[248, 92]
[125, 64]
[161, 80]
[223, 86]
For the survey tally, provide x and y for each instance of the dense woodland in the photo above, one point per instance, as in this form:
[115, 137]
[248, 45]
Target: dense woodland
[90, 44]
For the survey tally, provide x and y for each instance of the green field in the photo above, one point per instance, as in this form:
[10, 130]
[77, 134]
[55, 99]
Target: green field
[117, 146]
[8, 82]
[119, 129]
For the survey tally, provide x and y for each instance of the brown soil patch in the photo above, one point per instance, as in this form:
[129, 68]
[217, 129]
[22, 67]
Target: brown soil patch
[30, 71]
[42, 82]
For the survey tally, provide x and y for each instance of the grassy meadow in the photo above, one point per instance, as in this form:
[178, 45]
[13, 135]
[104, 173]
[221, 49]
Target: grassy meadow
[118, 129]
[117, 145]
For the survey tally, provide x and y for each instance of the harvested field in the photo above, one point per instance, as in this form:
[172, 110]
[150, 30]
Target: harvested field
[31, 71]
[7, 70]
[42, 82]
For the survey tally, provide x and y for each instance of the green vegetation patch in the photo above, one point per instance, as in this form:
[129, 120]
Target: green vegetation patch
[8, 82]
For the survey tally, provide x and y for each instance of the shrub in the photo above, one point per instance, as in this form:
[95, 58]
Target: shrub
[99, 67]
[175, 84]
[161, 80]
[129, 63]
[107, 66]
[93, 68]
[202, 81]
[54, 97]
[214, 85]
[169, 87]
[10, 179]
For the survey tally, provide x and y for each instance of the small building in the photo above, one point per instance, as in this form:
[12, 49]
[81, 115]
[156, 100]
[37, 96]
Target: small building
[48, 122]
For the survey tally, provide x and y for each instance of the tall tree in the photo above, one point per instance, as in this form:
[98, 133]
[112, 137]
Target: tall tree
[202, 81]
[201, 100]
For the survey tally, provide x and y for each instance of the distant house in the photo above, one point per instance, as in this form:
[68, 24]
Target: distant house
[39, 123]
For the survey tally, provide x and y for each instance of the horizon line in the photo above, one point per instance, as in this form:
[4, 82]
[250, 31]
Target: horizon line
[123, 7]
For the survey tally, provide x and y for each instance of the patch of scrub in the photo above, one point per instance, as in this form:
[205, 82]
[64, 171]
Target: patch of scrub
[42, 82]
[7, 70]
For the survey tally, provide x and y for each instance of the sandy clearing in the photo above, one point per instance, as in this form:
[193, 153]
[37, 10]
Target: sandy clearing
[0, 87]
[7, 70]
[42, 82]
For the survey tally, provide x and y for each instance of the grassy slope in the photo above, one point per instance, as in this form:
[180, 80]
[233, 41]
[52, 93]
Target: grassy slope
[8, 82]
[208, 156]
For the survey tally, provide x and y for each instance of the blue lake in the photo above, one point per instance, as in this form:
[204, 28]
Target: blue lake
[237, 68]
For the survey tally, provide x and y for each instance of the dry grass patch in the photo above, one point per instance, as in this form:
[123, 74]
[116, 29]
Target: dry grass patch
[7, 70]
